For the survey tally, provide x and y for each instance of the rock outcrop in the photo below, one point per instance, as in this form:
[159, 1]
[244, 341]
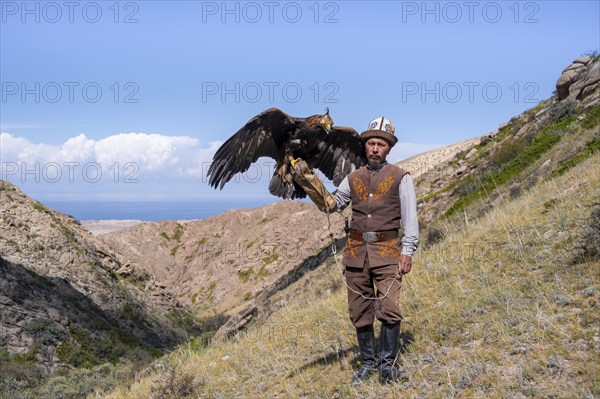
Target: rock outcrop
[580, 80]
[236, 322]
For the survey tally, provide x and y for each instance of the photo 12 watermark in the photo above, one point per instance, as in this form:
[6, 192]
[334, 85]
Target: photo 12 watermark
[257, 172]
[453, 12]
[53, 12]
[462, 251]
[69, 92]
[471, 92]
[270, 92]
[69, 172]
[331, 334]
[252, 12]
[421, 169]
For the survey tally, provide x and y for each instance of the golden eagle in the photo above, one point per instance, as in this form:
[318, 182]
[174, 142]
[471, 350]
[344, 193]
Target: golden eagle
[273, 133]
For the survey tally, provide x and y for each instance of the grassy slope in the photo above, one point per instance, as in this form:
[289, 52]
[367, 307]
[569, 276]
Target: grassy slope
[510, 163]
[498, 309]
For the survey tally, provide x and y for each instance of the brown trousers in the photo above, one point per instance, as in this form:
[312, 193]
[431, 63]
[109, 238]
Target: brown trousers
[382, 283]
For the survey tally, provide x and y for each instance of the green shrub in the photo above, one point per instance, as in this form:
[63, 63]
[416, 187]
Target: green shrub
[486, 183]
[263, 272]
[174, 249]
[17, 377]
[79, 383]
[433, 235]
[179, 232]
[40, 208]
[592, 118]
[562, 110]
[270, 259]
[591, 238]
[516, 124]
[590, 148]
[175, 383]
[245, 275]
[507, 151]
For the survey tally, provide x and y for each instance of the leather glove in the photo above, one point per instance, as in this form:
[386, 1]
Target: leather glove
[312, 185]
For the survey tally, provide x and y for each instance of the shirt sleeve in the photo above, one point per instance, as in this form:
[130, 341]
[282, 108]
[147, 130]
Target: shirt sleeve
[408, 212]
[342, 195]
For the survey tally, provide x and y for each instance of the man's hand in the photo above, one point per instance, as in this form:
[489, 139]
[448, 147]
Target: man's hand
[404, 264]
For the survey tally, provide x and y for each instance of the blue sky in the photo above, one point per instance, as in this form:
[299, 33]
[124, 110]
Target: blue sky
[129, 100]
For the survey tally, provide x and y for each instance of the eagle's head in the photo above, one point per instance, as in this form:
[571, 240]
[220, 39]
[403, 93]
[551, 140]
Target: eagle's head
[325, 122]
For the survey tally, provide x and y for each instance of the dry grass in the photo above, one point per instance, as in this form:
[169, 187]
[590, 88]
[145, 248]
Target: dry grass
[503, 307]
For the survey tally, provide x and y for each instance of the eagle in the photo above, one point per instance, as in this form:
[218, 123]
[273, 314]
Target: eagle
[334, 150]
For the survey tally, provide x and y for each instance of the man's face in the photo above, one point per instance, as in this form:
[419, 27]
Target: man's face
[377, 150]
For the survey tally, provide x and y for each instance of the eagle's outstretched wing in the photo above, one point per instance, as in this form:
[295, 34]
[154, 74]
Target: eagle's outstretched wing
[264, 135]
[339, 151]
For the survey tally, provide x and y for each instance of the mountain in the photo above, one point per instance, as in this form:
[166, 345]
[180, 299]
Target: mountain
[63, 302]
[267, 277]
[503, 300]
[219, 264]
[506, 306]
[539, 144]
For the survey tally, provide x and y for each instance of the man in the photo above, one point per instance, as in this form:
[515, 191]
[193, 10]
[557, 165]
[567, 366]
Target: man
[383, 197]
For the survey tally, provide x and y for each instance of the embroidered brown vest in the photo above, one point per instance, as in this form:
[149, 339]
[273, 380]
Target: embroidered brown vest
[375, 207]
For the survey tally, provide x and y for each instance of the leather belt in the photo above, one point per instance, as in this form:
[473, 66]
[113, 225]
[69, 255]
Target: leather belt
[373, 236]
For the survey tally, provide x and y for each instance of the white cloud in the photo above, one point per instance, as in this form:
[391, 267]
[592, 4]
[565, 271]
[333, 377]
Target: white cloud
[155, 153]
[151, 152]
[19, 149]
[76, 149]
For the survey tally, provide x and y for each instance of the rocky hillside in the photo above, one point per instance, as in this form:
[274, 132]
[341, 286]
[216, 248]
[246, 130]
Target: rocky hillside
[538, 144]
[217, 264]
[259, 262]
[63, 300]
[503, 299]
[429, 162]
[505, 306]
[503, 302]
[221, 264]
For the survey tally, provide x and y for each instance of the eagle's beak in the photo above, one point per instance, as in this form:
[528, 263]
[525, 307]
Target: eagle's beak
[328, 127]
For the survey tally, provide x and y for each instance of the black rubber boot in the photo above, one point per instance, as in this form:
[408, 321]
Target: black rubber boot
[366, 345]
[390, 337]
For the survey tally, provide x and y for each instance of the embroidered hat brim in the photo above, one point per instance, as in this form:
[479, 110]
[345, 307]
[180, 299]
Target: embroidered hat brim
[390, 138]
